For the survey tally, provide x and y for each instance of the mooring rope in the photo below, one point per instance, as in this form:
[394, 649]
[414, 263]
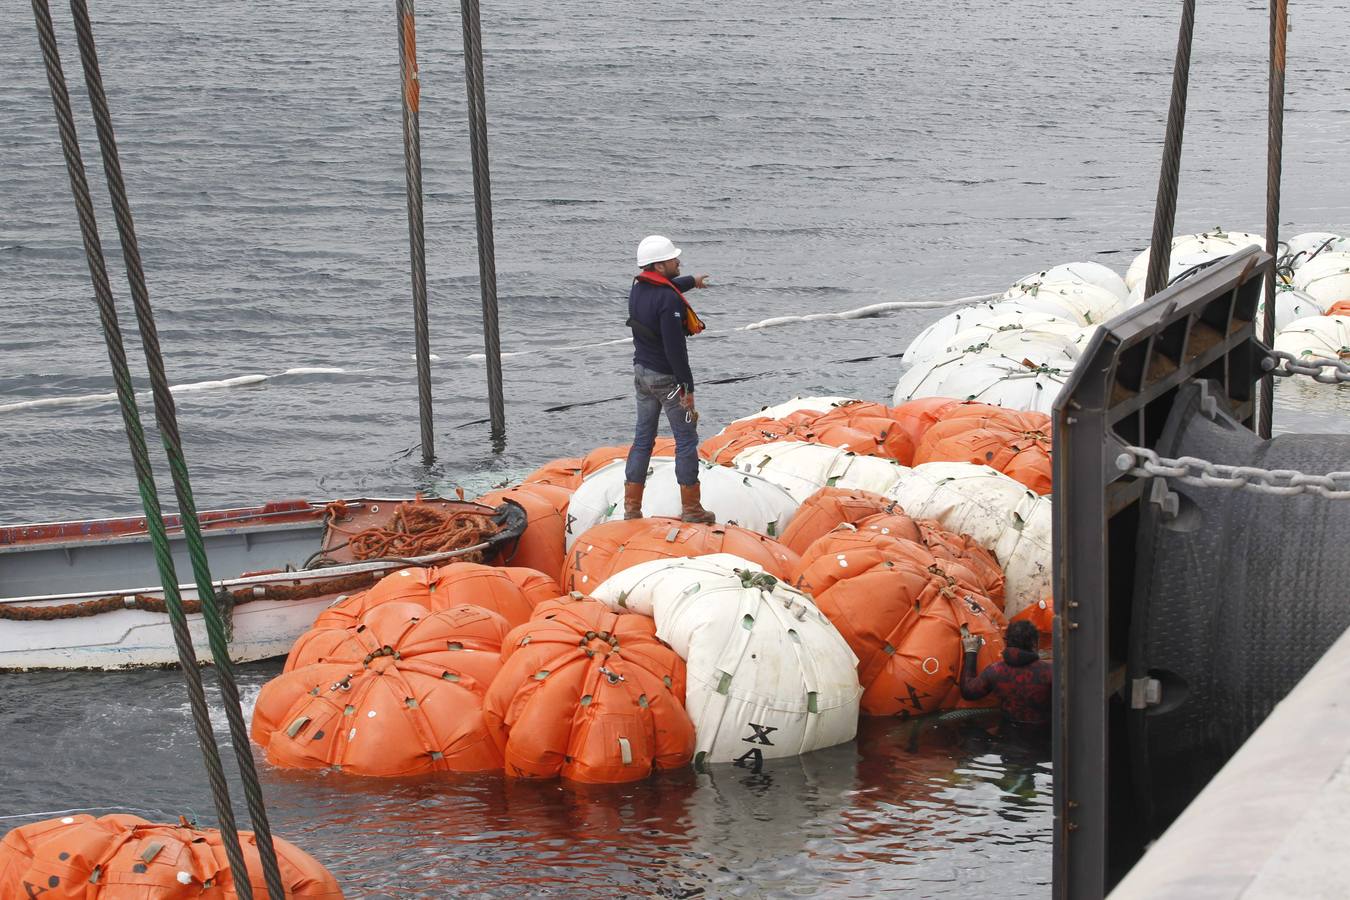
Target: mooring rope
[81, 609]
[136, 439]
[1165, 211]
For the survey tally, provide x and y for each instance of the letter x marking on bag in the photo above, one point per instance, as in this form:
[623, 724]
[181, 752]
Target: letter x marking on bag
[761, 735]
[914, 697]
[579, 555]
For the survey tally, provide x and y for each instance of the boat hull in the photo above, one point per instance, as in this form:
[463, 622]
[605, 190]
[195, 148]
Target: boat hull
[68, 600]
[130, 638]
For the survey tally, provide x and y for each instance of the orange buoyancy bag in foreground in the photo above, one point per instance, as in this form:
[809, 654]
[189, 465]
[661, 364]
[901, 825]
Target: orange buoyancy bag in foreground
[411, 704]
[904, 621]
[915, 417]
[510, 591]
[1014, 443]
[589, 695]
[988, 415]
[893, 523]
[124, 857]
[842, 554]
[844, 435]
[611, 547]
[827, 509]
[864, 435]
[476, 628]
[545, 505]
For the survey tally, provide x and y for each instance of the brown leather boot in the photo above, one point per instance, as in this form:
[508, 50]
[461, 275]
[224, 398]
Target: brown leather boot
[632, 500]
[691, 501]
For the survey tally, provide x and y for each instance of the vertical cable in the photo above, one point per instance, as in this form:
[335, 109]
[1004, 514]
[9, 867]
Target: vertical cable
[1279, 27]
[1165, 211]
[482, 196]
[412, 162]
[145, 481]
[167, 418]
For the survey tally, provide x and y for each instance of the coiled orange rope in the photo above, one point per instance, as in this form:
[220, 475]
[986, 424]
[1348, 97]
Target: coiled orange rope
[420, 529]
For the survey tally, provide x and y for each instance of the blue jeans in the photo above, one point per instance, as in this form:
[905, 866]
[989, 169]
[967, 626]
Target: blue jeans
[656, 391]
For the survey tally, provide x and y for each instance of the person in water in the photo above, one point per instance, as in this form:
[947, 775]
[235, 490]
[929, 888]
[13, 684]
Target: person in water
[1021, 680]
[661, 319]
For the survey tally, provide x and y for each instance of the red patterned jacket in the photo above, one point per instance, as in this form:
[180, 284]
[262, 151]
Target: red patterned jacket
[1021, 681]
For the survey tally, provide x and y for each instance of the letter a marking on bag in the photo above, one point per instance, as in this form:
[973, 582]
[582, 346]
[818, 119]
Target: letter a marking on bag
[755, 757]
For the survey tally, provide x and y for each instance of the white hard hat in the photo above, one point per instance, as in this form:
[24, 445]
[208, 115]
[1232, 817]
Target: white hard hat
[655, 248]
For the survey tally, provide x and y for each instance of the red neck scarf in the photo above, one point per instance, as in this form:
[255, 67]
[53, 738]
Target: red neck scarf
[692, 323]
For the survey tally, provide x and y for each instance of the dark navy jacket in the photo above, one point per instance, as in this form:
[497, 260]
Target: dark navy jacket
[660, 309]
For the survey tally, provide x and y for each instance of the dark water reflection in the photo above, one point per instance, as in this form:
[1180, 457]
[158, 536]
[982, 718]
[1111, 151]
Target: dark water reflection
[936, 809]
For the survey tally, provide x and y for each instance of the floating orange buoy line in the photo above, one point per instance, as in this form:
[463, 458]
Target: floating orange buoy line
[124, 857]
[510, 591]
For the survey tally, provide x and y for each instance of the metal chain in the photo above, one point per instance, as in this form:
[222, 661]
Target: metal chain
[1145, 463]
[1282, 364]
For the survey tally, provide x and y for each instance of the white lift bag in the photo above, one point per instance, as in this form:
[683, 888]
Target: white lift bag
[736, 497]
[768, 675]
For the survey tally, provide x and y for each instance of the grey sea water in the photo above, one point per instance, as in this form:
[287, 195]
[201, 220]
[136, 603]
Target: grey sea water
[813, 158]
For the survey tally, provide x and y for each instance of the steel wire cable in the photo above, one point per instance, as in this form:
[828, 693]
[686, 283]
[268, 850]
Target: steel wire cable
[417, 249]
[112, 334]
[482, 196]
[1165, 210]
[1274, 163]
[167, 418]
